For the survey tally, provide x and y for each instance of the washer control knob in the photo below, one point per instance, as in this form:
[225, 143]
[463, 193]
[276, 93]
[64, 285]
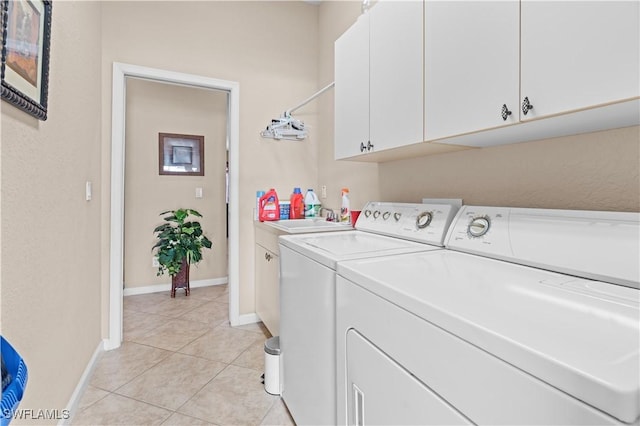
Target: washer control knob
[423, 220]
[386, 215]
[367, 213]
[479, 226]
[397, 216]
[376, 214]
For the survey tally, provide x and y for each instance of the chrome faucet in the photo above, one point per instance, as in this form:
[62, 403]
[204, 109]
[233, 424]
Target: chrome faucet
[331, 215]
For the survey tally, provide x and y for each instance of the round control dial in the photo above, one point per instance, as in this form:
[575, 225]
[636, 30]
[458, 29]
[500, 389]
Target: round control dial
[423, 220]
[367, 213]
[479, 226]
[386, 215]
[397, 216]
[376, 214]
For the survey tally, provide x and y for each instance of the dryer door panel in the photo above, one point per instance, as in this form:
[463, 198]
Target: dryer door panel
[381, 392]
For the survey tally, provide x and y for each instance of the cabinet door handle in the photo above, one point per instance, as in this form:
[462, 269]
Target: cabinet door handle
[267, 256]
[526, 105]
[505, 112]
[369, 146]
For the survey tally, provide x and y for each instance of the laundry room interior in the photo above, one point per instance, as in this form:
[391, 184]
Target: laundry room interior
[469, 135]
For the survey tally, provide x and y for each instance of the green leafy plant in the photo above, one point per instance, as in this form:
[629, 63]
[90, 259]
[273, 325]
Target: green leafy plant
[179, 240]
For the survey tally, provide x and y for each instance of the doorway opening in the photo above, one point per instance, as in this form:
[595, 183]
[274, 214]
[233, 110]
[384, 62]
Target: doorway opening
[116, 255]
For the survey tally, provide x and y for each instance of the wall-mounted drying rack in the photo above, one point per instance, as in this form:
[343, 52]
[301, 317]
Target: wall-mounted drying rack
[287, 127]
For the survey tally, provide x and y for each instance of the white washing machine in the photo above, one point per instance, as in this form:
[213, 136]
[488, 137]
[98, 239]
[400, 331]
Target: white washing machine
[532, 317]
[308, 287]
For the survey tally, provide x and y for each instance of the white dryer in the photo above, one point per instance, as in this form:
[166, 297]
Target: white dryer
[533, 317]
[308, 287]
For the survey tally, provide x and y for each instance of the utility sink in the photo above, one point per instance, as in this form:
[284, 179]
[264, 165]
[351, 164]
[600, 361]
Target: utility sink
[299, 226]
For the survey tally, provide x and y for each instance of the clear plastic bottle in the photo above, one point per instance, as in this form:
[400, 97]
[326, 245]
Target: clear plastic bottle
[311, 204]
[345, 210]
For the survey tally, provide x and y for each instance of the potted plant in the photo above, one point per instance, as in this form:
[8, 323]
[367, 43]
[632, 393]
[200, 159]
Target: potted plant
[180, 244]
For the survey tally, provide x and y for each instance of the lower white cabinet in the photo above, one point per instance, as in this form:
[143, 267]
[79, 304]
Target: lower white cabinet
[267, 277]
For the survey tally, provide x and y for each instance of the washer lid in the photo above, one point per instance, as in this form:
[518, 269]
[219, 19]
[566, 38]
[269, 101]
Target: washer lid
[330, 248]
[580, 336]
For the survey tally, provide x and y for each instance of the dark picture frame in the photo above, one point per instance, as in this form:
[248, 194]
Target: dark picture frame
[181, 155]
[26, 41]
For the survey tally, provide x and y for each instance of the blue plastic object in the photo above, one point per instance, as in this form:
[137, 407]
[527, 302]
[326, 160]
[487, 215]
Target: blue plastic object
[12, 395]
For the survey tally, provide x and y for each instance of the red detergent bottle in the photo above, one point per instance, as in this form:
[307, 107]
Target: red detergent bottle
[297, 205]
[269, 206]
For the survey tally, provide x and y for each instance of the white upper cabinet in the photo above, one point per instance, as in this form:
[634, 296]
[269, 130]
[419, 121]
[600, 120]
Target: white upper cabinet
[396, 92]
[483, 73]
[352, 89]
[578, 54]
[379, 80]
[471, 66]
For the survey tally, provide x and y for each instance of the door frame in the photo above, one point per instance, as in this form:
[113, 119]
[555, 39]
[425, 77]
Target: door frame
[116, 241]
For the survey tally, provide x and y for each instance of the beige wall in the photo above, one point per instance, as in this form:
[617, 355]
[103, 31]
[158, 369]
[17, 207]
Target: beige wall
[154, 108]
[270, 48]
[50, 281]
[596, 171]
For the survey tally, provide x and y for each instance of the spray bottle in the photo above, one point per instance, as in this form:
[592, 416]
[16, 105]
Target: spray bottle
[345, 210]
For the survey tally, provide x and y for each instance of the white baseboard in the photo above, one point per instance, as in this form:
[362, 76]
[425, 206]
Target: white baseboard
[247, 319]
[81, 387]
[157, 288]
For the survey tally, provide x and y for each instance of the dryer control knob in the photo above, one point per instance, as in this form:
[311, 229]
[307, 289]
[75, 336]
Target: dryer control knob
[376, 214]
[397, 216]
[479, 226]
[386, 215]
[423, 220]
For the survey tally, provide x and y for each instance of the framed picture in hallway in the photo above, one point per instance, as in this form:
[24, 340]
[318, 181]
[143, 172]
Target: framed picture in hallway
[180, 154]
[26, 39]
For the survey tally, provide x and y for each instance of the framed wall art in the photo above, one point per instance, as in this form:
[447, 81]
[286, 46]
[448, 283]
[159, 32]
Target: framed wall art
[26, 39]
[180, 154]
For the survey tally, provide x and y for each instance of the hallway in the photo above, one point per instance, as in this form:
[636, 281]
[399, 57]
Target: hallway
[181, 363]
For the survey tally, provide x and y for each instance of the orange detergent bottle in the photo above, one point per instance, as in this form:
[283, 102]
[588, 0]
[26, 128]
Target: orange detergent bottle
[297, 205]
[269, 206]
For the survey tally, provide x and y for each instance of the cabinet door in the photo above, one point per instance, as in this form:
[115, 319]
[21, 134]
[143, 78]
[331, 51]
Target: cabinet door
[352, 89]
[396, 74]
[267, 280]
[578, 54]
[471, 66]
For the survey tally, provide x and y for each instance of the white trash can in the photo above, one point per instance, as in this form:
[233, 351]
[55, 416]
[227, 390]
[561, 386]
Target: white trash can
[272, 365]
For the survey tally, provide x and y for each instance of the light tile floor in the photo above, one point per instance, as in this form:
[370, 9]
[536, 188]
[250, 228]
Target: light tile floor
[182, 364]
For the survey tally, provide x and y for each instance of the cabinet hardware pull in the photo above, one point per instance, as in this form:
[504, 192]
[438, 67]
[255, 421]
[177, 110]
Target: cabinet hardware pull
[369, 146]
[267, 256]
[362, 147]
[505, 112]
[526, 105]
